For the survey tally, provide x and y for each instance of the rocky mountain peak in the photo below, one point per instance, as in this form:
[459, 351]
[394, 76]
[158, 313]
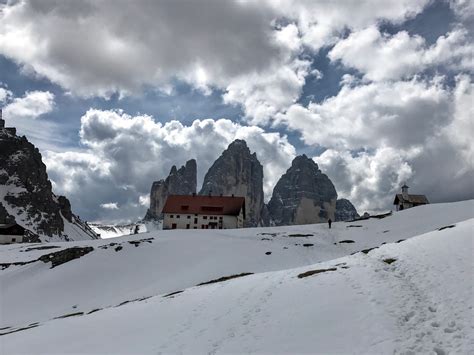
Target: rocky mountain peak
[302, 161]
[345, 210]
[182, 181]
[173, 170]
[26, 195]
[237, 171]
[303, 195]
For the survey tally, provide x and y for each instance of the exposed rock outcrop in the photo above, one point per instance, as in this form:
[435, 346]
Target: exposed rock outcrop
[26, 195]
[238, 172]
[345, 210]
[303, 195]
[178, 182]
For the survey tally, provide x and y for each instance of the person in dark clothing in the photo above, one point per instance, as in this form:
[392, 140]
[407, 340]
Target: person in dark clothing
[329, 223]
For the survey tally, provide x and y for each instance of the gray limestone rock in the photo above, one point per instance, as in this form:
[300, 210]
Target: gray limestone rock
[345, 210]
[26, 195]
[238, 172]
[303, 195]
[182, 181]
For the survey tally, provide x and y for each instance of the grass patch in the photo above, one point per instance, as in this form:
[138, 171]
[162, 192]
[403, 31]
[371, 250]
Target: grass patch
[314, 272]
[268, 253]
[353, 226]
[225, 278]
[308, 245]
[389, 260]
[95, 310]
[366, 251]
[76, 314]
[348, 241]
[20, 329]
[42, 248]
[446, 227]
[173, 293]
[297, 235]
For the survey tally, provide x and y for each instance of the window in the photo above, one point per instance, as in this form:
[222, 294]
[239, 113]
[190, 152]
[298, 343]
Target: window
[195, 227]
[173, 226]
[185, 208]
[220, 218]
[205, 217]
[171, 215]
[189, 217]
[195, 220]
[13, 240]
[187, 226]
[177, 216]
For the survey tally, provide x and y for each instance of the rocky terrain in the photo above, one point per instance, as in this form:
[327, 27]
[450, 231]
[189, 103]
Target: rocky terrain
[345, 210]
[303, 195]
[26, 195]
[237, 171]
[180, 181]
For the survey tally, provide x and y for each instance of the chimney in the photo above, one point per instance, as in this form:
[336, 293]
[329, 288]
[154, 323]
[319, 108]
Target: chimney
[405, 191]
[2, 122]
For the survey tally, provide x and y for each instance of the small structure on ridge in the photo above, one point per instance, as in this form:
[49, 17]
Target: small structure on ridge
[405, 200]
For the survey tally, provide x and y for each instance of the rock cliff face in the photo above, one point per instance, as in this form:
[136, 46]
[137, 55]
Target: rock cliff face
[26, 195]
[238, 172]
[178, 182]
[345, 210]
[303, 195]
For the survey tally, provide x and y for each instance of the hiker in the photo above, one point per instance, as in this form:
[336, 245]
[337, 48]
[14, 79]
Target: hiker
[329, 222]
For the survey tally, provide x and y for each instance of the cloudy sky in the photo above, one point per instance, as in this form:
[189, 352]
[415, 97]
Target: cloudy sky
[115, 92]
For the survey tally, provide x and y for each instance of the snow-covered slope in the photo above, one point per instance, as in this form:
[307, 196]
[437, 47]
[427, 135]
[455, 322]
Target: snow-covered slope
[106, 231]
[420, 302]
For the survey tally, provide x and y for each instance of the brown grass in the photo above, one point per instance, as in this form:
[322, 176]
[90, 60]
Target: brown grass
[225, 278]
[314, 272]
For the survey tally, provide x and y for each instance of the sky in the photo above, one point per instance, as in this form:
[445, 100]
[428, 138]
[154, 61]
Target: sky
[115, 92]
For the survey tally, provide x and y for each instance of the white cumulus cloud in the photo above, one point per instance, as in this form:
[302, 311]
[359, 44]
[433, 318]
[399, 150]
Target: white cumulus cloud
[124, 154]
[380, 56]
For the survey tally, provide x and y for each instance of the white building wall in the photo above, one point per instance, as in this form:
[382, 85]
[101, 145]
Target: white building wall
[192, 221]
[9, 239]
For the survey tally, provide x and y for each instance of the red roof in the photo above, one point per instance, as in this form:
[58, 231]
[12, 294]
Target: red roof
[211, 205]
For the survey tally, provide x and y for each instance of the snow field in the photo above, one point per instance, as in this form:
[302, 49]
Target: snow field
[419, 300]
